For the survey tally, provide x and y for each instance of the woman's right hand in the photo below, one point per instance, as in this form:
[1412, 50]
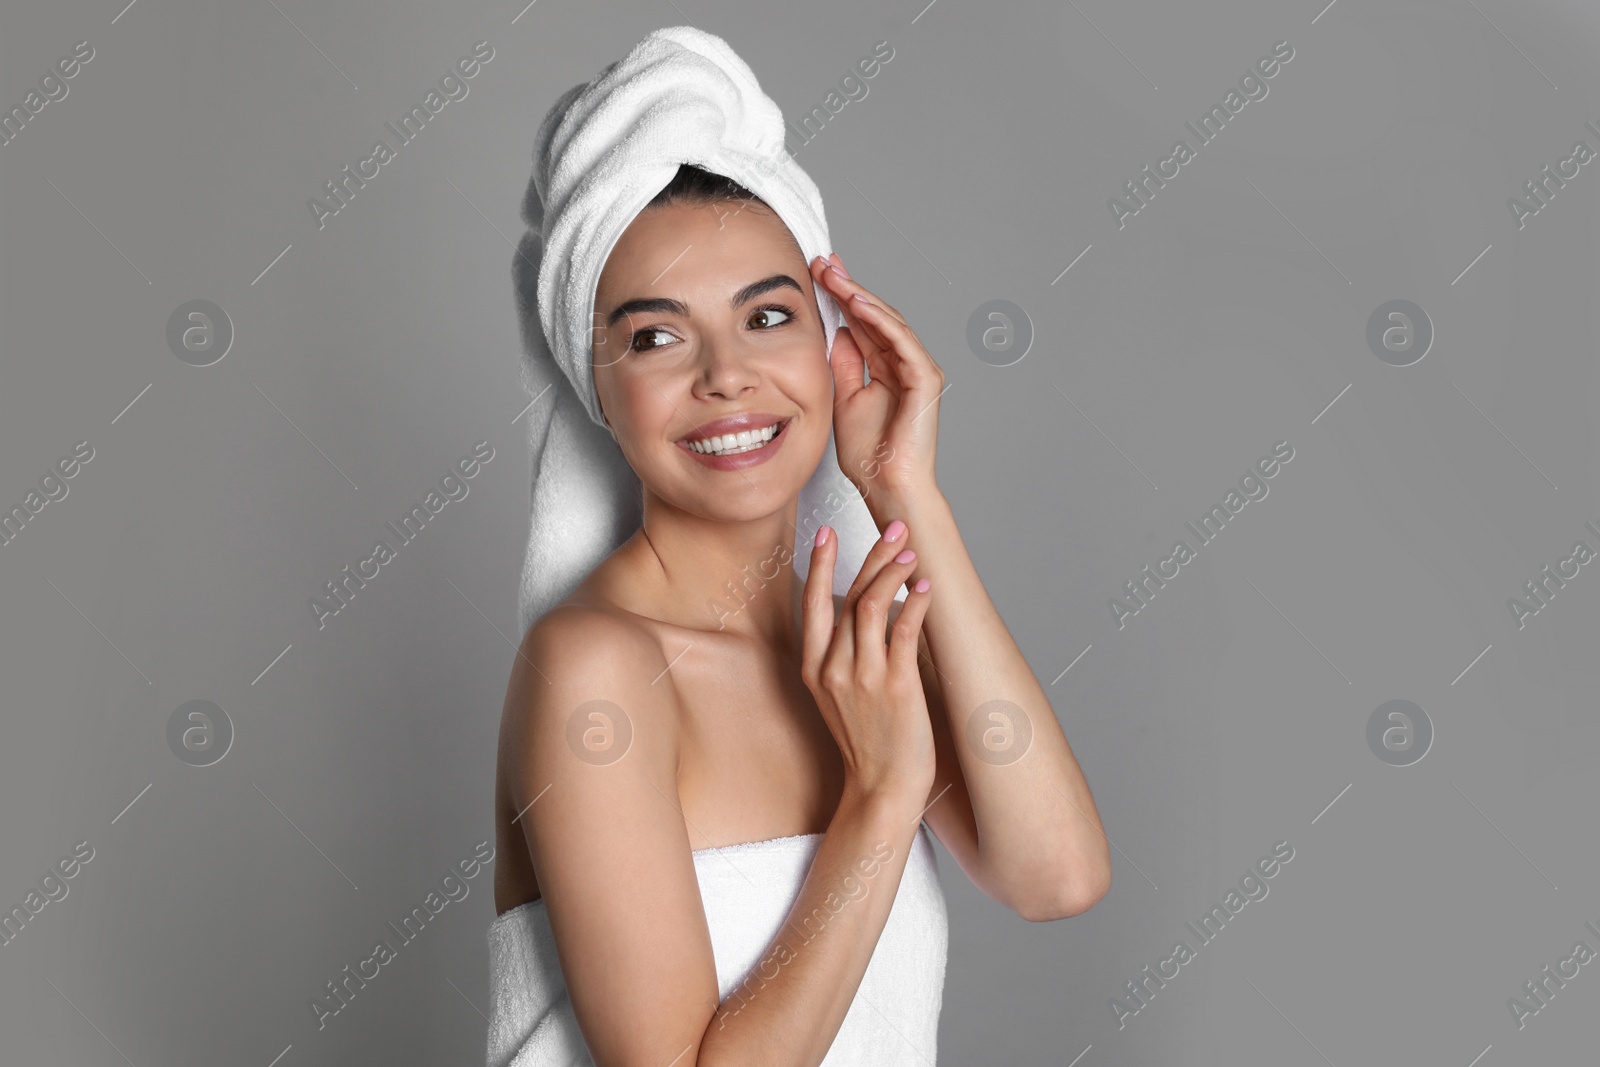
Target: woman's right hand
[863, 672]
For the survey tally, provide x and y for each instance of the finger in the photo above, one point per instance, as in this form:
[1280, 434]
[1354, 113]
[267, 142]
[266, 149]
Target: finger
[843, 291]
[846, 285]
[872, 340]
[872, 610]
[817, 605]
[878, 556]
[912, 365]
[872, 348]
[848, 366]
[902, 656]
[886, 325]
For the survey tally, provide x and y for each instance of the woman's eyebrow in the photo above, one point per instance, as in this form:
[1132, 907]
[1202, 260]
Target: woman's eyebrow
[765, 285]
[677, 307]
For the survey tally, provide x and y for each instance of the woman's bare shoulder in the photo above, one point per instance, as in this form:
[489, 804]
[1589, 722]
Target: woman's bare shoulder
[589, 624]
[589, 760]
[580, 651]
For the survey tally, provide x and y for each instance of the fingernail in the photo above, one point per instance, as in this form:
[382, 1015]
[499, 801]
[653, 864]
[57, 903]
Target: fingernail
[864, 300]
[906, 556]
[835, 257]
[893, 531]
[822, 535]
[839, 272]
[921, 586]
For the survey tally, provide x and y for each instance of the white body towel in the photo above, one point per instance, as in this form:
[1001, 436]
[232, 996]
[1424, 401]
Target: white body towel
[893, 1021]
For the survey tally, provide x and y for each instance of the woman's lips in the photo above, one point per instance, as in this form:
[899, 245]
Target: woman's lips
[742, 460]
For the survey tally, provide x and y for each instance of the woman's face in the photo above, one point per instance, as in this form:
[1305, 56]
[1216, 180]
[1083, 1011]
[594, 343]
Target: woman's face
[705, 312]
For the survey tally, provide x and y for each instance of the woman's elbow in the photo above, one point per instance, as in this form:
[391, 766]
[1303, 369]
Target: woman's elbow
[1071, 895]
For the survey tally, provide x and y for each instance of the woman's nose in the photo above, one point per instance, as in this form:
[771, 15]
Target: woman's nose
[725, 370]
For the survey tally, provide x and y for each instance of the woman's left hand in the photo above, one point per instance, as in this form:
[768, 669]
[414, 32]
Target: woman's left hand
[885, 431]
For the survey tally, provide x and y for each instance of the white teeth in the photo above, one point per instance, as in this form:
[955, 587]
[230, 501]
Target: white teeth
[731, 444]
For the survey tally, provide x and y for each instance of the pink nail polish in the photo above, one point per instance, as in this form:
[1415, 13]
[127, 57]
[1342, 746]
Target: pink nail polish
[906, 556]
[893, 531]
[822, 535]
[921, 586]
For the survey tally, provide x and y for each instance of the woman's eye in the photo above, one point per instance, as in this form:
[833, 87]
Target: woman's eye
[636, 346]
[765, 316]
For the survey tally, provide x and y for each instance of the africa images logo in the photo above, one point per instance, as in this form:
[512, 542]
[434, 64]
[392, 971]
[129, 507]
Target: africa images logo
[1252, 887]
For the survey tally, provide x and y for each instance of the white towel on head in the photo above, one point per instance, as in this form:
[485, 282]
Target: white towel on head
[604, 150]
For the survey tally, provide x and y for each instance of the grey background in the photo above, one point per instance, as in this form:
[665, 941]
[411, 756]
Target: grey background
[1226, 316]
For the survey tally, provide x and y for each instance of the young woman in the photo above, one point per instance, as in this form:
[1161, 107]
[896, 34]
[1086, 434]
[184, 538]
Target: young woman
[795, 722]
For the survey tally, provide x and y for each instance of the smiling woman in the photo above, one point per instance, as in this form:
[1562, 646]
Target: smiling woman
[691, 805]
[707, 197]
[705, 362]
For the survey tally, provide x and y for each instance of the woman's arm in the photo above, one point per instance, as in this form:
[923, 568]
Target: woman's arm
[1026, 832]
[791, 1007]
[1018, 818]
[615, 868]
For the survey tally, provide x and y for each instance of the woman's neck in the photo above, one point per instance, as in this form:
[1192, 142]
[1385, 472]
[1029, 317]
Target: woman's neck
[707, 574]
